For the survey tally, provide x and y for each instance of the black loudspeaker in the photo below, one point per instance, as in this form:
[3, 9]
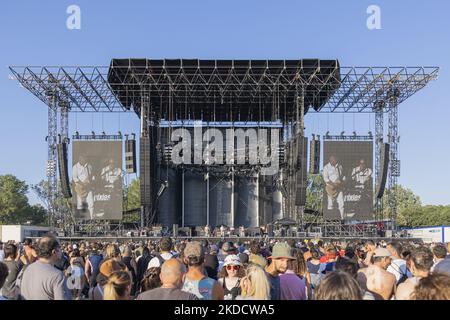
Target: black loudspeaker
[301, 174]
[314, 156]
[175, 230]
[145, 172]
[130, 156]
[384, 166]
[63, 170]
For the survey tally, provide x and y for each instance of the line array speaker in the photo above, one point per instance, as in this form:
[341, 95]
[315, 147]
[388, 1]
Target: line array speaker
[63, 170]
[314, 156]
[130, 156]
[384, 163]
[145, 172]
[301, 175]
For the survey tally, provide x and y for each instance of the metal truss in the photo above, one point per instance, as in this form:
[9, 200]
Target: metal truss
[378, 108]
[354, 137]
[88, 89]
[394, 162]
[52, 156]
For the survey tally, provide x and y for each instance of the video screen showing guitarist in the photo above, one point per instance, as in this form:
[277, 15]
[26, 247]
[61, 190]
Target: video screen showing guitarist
[334, 178]
[83, 178]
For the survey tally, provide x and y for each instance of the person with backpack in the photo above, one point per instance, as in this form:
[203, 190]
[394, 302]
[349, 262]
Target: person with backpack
[398, 266]
[165, 247]
[92, 266]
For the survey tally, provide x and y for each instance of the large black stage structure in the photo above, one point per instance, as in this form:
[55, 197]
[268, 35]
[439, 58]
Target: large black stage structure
[225, 94]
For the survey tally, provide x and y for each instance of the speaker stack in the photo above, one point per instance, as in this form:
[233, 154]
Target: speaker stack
[145, 172]
[130, 155]
[384, 163]
[314, 156]
[63, 170]
[301, 176]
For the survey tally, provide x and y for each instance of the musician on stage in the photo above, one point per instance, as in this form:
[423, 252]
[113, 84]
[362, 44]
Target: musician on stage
[83, 179]
[333, 175]
[111, 175]
[361, 175]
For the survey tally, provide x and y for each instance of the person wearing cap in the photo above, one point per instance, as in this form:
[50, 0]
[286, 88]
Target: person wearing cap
[281, 254]
[227, 249]
[195, 281]
[375, 278]
[230, 277]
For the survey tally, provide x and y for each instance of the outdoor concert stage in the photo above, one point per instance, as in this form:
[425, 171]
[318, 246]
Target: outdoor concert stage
[222, 96]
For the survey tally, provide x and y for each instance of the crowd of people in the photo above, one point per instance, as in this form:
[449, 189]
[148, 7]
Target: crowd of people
[180, 269]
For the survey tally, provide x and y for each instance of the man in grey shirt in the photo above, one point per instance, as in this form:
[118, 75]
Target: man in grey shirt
[41, 280]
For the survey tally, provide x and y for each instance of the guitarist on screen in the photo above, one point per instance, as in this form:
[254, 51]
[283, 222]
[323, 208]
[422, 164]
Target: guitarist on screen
[83, 184]
[334, 178]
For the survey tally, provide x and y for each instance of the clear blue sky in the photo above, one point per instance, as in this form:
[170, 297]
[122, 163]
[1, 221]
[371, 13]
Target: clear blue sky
[414, 33]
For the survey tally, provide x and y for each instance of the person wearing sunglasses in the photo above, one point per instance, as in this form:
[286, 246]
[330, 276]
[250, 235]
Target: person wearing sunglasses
[230, 277]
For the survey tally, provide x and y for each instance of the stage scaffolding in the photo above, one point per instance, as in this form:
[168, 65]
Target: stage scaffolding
[230, 91]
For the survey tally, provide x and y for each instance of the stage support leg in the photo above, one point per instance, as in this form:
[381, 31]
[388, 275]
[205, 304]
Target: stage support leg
[378, 108]
[52, 156]
[394, 165]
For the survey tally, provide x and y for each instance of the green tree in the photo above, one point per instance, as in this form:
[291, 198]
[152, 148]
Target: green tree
[409, 206]
[132, 201]
[14, 206]
[13, 199]
[62, 205]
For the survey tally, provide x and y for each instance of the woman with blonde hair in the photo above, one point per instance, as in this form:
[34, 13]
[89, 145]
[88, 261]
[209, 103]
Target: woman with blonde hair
[255, 285]
[118, 286]
[113, 252]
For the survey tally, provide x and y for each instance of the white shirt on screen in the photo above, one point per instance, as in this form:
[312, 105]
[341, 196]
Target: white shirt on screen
[81, 173]
[332, 173]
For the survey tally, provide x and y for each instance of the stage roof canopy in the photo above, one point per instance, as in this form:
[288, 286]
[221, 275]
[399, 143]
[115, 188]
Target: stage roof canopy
[223, 90]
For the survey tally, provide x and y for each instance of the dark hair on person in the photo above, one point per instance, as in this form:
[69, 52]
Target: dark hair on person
[151, 279]
[27, 242]
[3, 273]
[194, 261]
[10, 250]
[46, 245]
[338, 285]
[165, 244]
[347, 265]
[440, 251]
[320, 244]
[422, 258]
[255, 248]
[299, 264]
[434, 287]
[397, 247]
[315, 254]
[291, 243]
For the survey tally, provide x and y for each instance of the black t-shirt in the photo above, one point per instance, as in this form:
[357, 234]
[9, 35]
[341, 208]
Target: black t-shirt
[8, 289]
[211, 264]
[166, 294]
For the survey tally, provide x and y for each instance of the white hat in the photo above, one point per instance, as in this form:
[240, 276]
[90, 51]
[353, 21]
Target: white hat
[74, 246]
[232, 260]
